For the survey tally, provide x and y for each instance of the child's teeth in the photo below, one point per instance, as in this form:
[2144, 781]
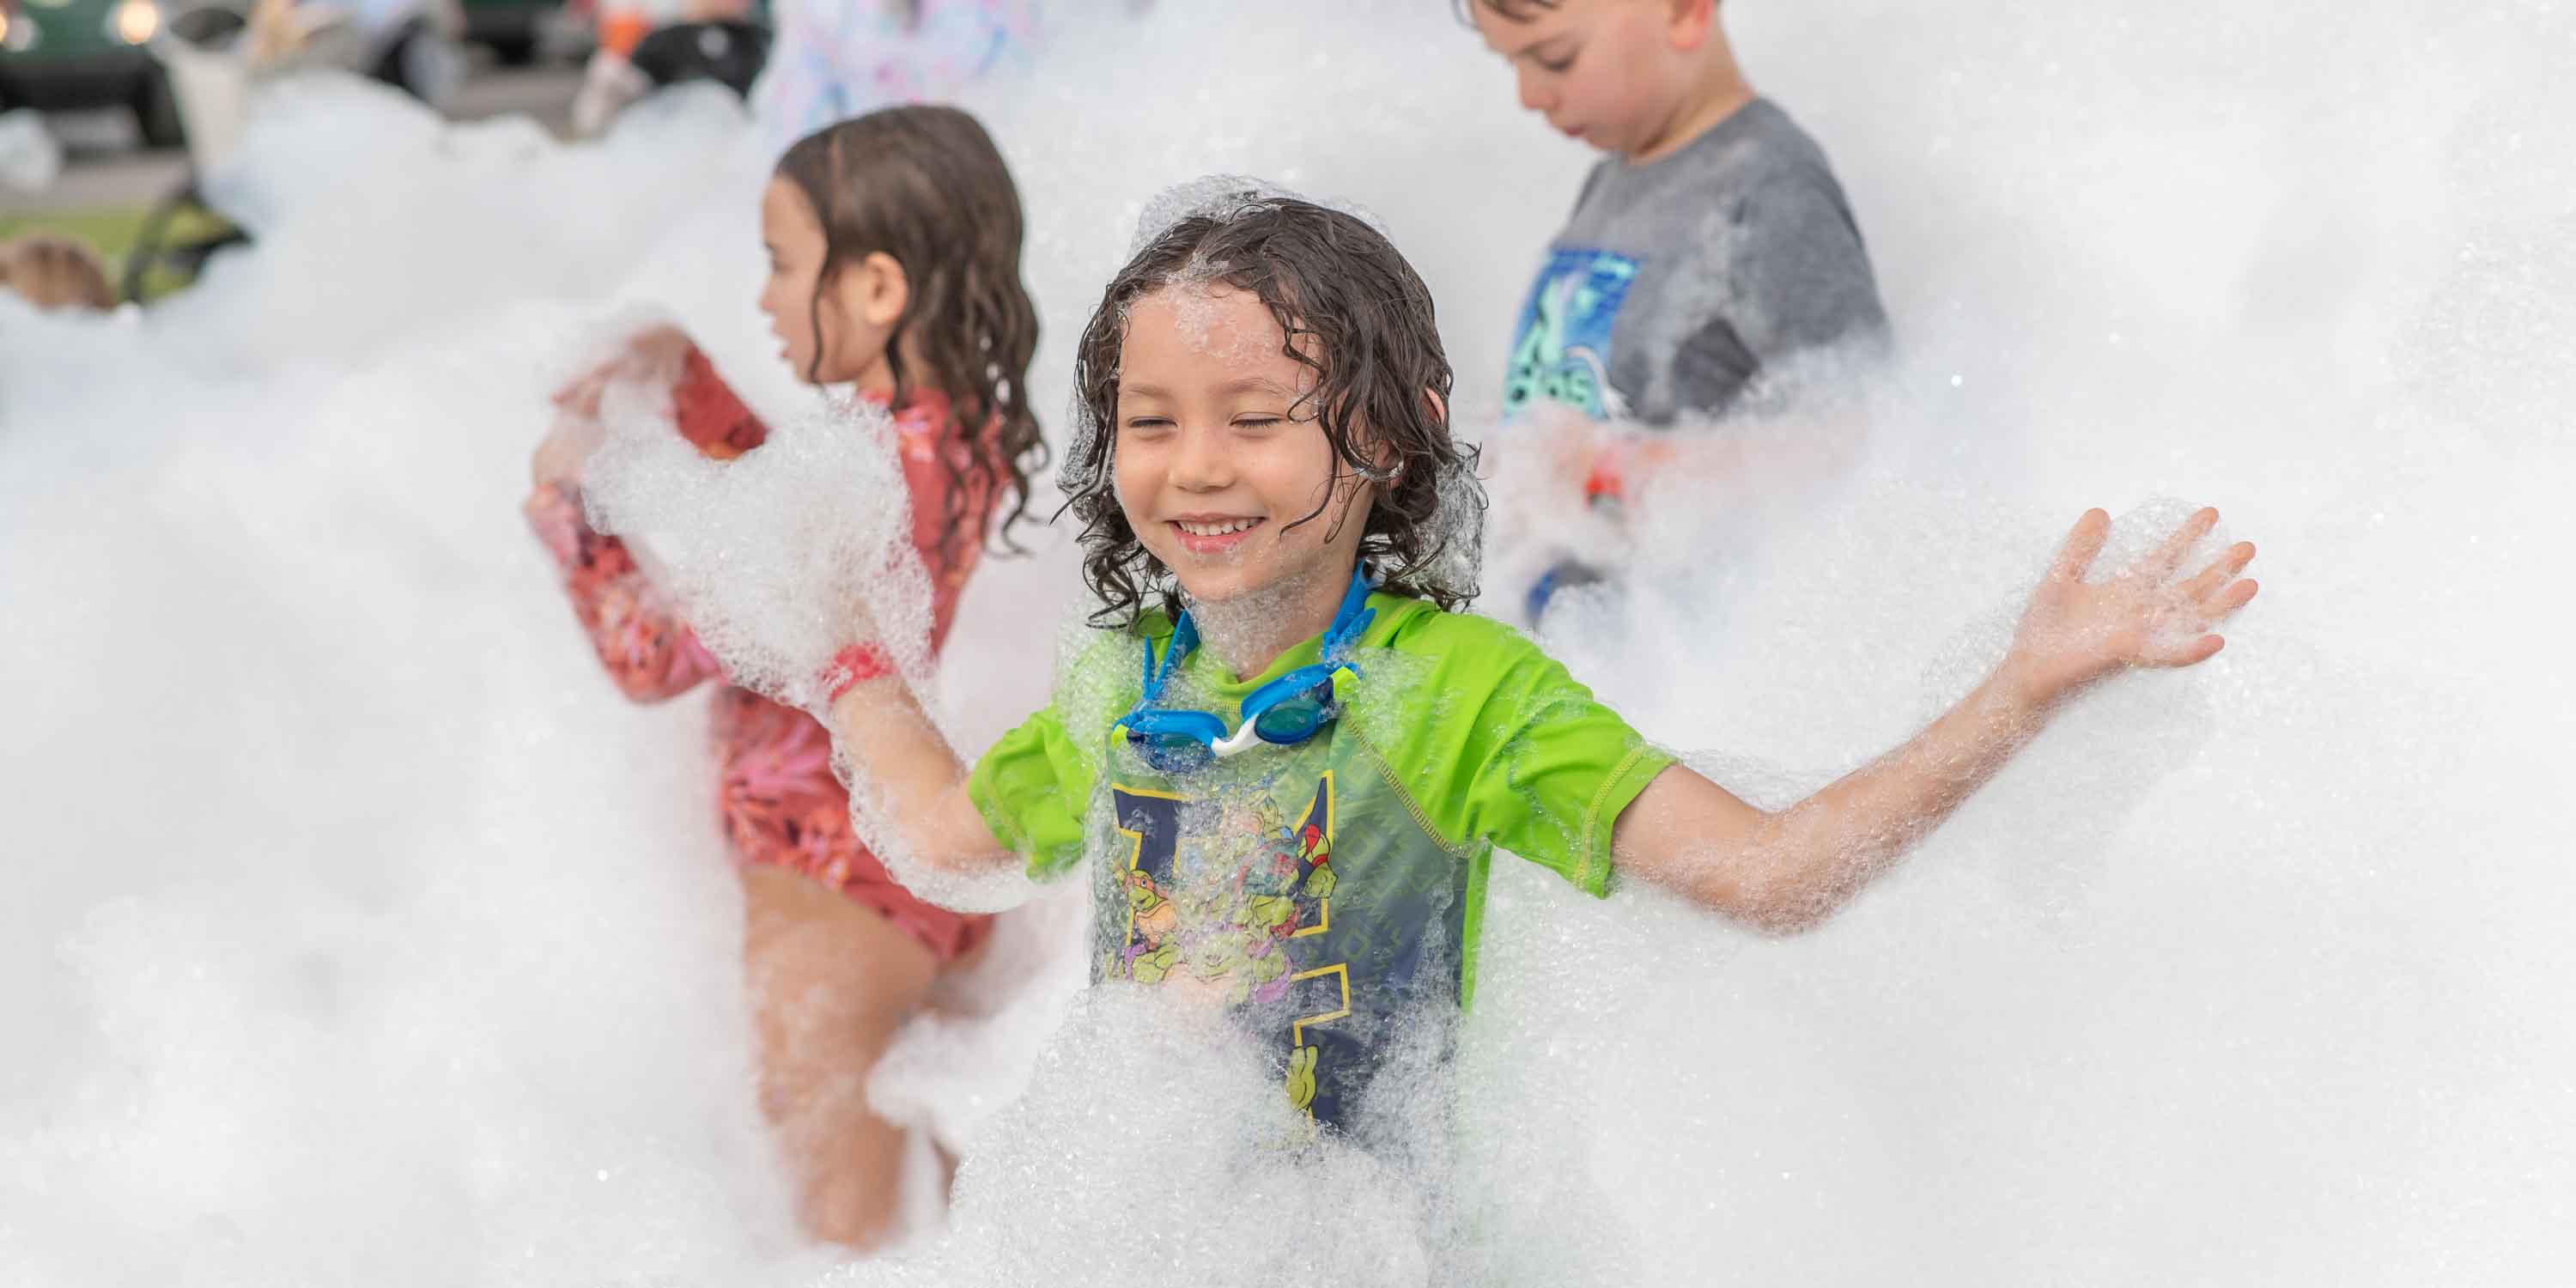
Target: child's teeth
[1216, 529]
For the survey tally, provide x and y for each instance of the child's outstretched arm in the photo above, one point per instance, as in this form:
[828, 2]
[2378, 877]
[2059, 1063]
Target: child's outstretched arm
[905, 772]
[1788, 870]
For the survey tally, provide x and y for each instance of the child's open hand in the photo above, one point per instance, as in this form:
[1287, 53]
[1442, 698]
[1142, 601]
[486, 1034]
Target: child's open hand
[2076, 631]
[654, 356]
[567, 447]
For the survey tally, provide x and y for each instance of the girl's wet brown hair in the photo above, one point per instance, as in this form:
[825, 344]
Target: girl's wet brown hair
[1353, 312]
[926, 186]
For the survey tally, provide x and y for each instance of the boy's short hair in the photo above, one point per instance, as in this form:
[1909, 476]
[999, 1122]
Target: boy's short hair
[1512, 10]
[52, 271]
[1507, 10]
[1362, 320]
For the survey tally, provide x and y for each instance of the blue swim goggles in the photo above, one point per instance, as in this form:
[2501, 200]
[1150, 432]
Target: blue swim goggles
[1286, 711]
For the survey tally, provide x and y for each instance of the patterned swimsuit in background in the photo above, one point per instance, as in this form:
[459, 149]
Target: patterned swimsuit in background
[835, 59]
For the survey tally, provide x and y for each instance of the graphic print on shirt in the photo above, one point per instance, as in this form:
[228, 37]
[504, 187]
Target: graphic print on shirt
[1561, 349]
[1219, 907]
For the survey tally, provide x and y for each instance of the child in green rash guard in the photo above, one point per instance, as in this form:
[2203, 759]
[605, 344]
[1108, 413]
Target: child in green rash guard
[1325, 886]
[1287, 758]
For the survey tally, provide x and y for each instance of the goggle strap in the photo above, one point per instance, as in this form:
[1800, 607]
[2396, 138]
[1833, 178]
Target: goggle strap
[1185, 638]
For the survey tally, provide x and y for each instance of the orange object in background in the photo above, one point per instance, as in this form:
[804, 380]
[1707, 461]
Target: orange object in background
[621, 28]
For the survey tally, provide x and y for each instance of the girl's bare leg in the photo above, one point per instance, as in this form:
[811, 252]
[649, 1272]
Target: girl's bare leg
[831, 983]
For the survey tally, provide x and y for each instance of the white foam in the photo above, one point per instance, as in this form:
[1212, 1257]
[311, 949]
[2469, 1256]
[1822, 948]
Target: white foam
[361, 933]
[781, 558]
[30, 159]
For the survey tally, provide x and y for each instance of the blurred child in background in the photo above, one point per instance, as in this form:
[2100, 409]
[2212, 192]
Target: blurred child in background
[1709, 248]
[51, 271]
[894, 248]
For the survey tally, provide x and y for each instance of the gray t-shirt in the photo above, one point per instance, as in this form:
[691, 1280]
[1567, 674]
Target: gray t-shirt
[1675, 284]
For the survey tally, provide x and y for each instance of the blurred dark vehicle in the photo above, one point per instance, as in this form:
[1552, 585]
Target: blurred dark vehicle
[74, 55]
[520, 32]
[728, 53]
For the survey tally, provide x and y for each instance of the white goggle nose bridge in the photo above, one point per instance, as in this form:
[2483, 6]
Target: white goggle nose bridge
[1240, 741]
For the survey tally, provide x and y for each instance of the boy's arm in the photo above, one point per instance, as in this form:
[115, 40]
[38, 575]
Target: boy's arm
[1801, 276]
[905, 775]
[1804, 312]
[1788, 870]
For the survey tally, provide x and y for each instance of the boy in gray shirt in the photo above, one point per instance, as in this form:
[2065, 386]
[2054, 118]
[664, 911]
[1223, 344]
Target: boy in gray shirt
[1708, 249]
[1712, 243]
[1675, 283]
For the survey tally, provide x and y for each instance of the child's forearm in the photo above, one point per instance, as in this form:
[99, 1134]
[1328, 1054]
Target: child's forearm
[1788, 870]
[1829, 846]
[905, 776]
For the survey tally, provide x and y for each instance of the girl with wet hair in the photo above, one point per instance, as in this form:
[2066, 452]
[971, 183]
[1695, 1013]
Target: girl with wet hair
[894, 268]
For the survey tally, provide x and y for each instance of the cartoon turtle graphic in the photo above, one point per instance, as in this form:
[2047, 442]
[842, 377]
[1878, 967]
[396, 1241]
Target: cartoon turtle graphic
[1317, 853]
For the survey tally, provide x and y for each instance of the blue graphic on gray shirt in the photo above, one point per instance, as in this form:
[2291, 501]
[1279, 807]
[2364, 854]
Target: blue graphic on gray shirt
[1561, 352]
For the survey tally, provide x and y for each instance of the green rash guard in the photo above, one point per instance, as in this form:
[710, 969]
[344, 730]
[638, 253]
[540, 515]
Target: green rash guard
[1321, 891]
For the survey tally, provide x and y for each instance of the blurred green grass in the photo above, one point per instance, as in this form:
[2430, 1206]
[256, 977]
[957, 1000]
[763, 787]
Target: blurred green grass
[112, 233]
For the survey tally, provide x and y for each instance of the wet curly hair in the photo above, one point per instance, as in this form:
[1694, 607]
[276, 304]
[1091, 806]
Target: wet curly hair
[1353, 312]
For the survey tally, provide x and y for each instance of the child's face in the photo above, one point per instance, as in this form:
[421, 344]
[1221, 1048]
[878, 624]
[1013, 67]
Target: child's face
[1609, 72]
[1212, 473]
[847, 323]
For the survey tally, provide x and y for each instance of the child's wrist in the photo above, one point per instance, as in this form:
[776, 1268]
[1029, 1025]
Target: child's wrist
[2024, 684]
[853, 666]
[1607, 478]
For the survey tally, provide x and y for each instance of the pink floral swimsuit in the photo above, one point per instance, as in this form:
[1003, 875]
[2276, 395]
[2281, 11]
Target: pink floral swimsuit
[778, 798]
